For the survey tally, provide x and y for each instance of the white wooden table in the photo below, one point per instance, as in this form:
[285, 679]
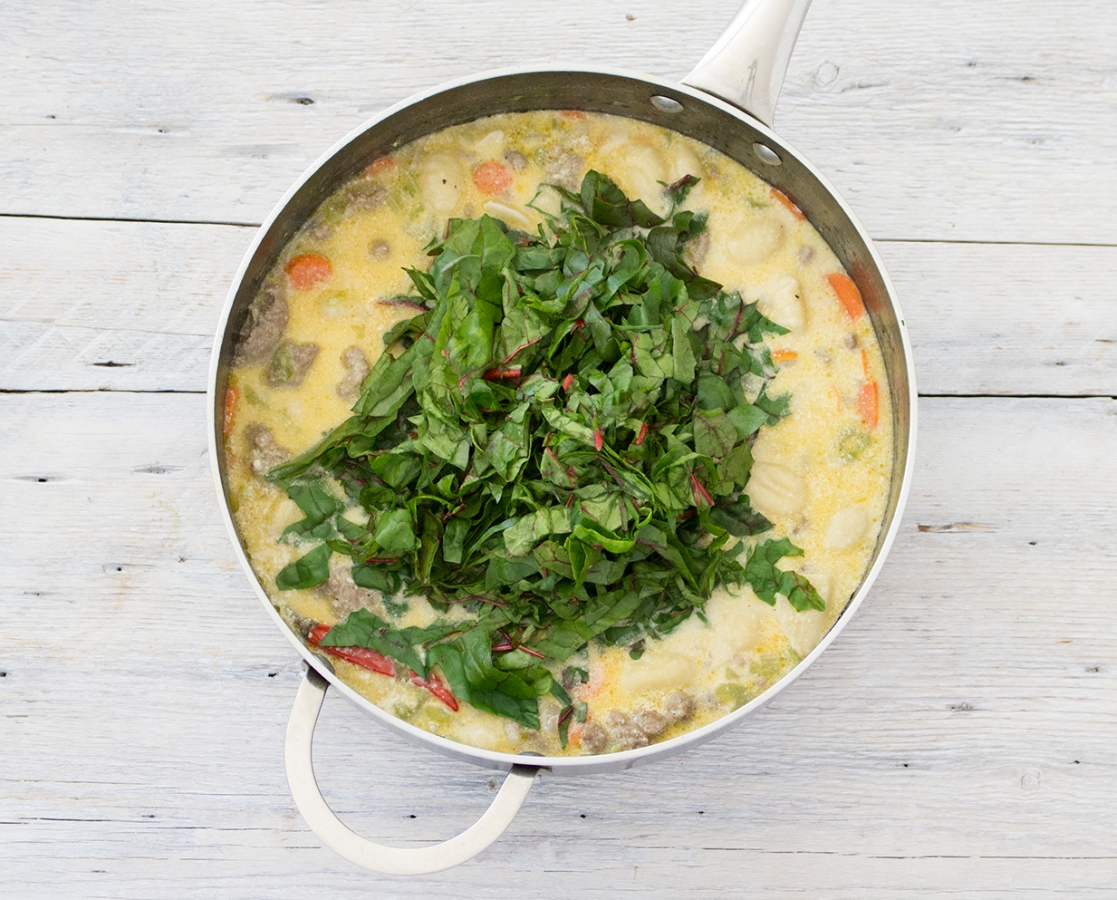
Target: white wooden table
[959, 739]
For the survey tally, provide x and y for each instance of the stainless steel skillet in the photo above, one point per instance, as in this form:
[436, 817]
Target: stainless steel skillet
[726, 102]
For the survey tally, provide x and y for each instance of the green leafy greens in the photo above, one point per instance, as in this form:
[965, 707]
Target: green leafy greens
[559, 443]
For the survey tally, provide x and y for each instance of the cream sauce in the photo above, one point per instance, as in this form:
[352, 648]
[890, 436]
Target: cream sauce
[821, 475]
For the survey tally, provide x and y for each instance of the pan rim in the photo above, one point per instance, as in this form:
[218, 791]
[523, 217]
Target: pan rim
[571, 764]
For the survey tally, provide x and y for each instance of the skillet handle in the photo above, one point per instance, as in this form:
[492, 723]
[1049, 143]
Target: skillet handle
[388, 860]
[747, 64]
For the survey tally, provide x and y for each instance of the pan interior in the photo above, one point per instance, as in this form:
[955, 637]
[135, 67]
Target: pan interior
[680, 109]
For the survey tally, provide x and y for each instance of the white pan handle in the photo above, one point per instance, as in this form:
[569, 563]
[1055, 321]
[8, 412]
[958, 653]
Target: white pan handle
[747, 63]
[388, 860]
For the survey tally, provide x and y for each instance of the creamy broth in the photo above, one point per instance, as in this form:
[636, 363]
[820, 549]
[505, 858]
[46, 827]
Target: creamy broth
[821, 475]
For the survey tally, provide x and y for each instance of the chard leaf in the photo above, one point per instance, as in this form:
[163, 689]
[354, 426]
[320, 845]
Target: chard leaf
[714, 433]
[395, 531]
[529, 530]
[551, 449]
[748, 419]
[402, 645]
[306, 572]
[739, 519]
[767, 580]
[607, 204]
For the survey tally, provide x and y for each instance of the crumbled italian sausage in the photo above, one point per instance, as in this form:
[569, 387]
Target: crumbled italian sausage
[650, 722]
[320, 231]
[696, 249]
[516, 160]
[678, 707]
[565, 170]
[263, 326]
[290, 363]
[629, 737]
[379, 250]
[264, 454]
[366, 197]
[594, 738]
[615, 718]
[347, 596]
[356, 370]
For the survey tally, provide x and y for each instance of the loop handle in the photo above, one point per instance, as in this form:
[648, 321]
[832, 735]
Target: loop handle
[387, 860]
[747, 64]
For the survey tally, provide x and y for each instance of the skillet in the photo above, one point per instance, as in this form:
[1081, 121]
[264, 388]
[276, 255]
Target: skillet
[727, 102]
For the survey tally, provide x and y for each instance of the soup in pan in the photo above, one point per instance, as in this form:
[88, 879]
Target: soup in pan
[558, 433]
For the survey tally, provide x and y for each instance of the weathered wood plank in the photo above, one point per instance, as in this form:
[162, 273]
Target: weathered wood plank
[958, 738]
[935, 123]
[112, 305]
[77, 296]
[1009, 319]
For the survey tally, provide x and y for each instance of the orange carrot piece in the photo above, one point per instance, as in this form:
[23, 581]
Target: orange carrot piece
[868, 401]
[783, 355]
[573, 114]
[575, 733]
[787, 201]
[592, 687]
[308, 270]
[492, 177]
[380, 164]
[865, 361]
[848, 293]
[232, 398]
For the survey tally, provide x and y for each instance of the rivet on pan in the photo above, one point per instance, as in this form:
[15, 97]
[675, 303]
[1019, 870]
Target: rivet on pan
[766, 154]
[666, 104]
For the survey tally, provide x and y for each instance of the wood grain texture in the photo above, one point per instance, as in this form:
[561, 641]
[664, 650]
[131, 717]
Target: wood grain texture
[958, 739]
[135, 305]
[976, 122]
[112, 305]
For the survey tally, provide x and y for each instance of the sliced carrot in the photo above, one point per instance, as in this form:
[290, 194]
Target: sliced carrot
[380, 164]
[232, 398]
[575, 733]
[868, 401]
[492, 177]
[787, 201]
[848, 293]
[308, 270]
[573, 114]
[592, 687]
[865, 361]
[783, 355]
